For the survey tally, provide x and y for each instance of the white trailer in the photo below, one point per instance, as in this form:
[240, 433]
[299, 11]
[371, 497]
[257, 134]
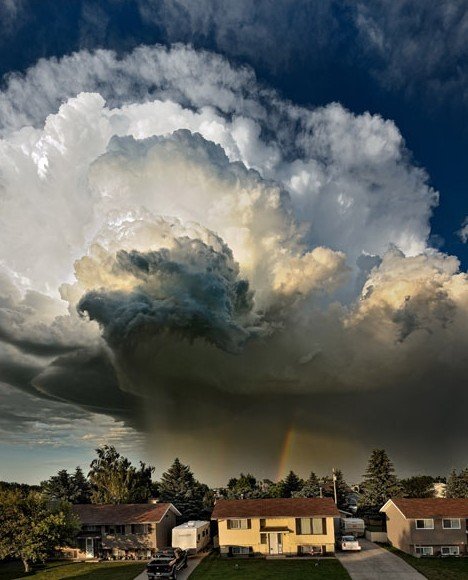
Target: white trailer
[354, 526]
[192, 536]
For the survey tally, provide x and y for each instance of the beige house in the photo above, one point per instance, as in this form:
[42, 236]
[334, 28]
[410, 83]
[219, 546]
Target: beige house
[123, 531]
[276, 526]
[428, 527]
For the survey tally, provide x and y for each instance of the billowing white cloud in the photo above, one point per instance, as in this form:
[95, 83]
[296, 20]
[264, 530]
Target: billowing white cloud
[184, 245]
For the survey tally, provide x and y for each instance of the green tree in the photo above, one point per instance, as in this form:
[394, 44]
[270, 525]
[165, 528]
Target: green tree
[311, 487]
[31, 527]
[418, 486]
[380, 482]
[115, 480]
[179, 487]
[457, 484]
[73, 488]
[244, 487]
[291, 484]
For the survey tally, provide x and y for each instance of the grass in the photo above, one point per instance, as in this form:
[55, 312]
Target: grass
[83, 571]
[216, 568]
[449, 568]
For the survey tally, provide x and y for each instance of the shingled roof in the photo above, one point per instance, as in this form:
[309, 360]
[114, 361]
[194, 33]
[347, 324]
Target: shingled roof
[132, 513]
[430, 507]
[279, 507]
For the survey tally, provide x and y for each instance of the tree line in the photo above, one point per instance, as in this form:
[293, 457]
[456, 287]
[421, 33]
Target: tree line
[35, 520]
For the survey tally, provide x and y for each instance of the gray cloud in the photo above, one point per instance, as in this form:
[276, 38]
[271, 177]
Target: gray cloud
[191, 290]
[243, 265]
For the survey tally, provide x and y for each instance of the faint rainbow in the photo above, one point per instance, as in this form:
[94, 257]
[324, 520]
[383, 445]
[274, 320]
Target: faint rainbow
[285, 455]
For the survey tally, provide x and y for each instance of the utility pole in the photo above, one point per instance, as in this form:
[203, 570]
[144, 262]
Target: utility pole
[334, 486]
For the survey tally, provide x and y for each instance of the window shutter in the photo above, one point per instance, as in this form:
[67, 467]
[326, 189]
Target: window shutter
[249, 523]
[324, 525]
[228, 524]
[298, 526]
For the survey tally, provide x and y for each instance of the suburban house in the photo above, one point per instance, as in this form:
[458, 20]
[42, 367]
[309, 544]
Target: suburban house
[283, 526]
[123, 531]
[428, 527]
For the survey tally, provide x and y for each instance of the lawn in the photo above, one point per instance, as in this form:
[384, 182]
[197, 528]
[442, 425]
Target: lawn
[58, 570]
[449, 568]
[215, 568]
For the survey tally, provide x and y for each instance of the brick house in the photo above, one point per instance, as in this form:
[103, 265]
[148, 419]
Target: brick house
[123, 531]
[428, 527]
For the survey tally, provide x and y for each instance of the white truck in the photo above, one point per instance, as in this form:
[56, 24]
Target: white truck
[354, 526]
[192, 536]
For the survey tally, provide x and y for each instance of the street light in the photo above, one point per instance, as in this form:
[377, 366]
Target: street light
[334, 485]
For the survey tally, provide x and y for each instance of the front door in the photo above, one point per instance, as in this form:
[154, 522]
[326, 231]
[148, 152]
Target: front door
[276, 543]
[89, 548]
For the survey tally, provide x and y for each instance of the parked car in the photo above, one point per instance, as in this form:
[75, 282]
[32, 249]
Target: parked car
[349, 543]
[166, 563]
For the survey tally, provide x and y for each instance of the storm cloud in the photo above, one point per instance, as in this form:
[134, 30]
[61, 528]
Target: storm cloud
[208, 262]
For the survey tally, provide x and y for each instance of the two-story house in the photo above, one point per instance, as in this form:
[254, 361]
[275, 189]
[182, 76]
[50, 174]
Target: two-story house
[123, 531]
[283, 526]
[428, 527]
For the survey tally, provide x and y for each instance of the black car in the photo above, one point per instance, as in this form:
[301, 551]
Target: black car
[166, 563]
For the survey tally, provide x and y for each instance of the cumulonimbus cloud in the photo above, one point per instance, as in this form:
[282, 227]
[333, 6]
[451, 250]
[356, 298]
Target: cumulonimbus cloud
[210, 246]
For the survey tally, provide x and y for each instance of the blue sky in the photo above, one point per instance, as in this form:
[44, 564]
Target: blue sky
[355, 109]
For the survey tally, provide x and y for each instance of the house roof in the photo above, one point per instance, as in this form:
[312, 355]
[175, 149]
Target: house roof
[131, 513]
[279, 507]
[430, 507]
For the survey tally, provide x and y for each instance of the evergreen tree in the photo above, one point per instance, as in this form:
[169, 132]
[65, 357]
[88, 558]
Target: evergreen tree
[380, 482]
[115, 480]
[418, 486]
[311, 487]
[457, 484]
[179, 487]
[291, 484]
[73, 488]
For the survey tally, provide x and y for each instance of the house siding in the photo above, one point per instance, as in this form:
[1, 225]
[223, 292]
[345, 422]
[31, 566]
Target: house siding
[291, 540]
[403, 534]
[163, 530]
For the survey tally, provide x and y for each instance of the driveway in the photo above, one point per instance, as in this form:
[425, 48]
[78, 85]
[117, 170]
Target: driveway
[374, 562]
[192, 563]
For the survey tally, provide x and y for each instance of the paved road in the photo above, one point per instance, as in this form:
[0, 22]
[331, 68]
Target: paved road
[374, 562]
[183, 574]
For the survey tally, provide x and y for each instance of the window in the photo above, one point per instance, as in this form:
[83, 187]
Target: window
[450, 551]
[424, 524]
[424, 550]
[310, 550]
[140, 528]
[319, 526]
[451, 524]
[263, 539]
[240, 550]
[306, 526]
[238, 524]
[91, 528]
